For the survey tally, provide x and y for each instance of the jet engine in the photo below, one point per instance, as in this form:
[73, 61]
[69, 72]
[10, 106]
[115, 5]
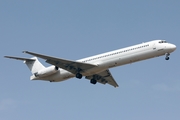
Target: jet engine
[47, 71]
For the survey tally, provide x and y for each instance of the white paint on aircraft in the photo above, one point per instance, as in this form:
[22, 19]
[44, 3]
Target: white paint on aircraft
[94, 68]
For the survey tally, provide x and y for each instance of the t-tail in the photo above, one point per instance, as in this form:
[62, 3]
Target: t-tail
[34, 65]
[38, 70]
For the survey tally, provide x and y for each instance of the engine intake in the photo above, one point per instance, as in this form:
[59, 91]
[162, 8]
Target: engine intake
[47, 71]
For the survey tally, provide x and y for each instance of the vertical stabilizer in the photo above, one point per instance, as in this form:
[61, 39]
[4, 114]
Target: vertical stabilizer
[34, 66]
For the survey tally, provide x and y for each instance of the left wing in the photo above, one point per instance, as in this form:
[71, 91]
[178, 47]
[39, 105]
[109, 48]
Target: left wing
[104, 77]
[69, 65]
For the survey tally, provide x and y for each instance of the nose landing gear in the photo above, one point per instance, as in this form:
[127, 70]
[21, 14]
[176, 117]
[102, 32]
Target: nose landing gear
[167, 56]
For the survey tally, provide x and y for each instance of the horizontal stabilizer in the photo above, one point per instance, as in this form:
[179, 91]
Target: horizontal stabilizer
[33, 63]
[20, 58]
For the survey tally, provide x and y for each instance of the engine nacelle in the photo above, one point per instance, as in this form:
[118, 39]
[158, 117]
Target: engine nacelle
[47, 71]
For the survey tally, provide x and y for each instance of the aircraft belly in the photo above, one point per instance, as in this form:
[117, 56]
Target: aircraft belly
[64, 75]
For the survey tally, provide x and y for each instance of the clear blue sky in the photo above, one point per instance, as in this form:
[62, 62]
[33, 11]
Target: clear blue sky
[148, 90]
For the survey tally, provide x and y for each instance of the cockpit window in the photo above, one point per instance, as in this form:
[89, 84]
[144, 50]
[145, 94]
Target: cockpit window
[162, 41]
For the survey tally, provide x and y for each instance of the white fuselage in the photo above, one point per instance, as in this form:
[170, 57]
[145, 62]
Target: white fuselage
[116, 58]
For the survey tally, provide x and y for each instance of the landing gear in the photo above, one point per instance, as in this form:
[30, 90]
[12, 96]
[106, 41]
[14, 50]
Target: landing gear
[79, 75]
[167, 56]
[93, 81]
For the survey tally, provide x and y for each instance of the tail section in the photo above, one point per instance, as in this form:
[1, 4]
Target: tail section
[33, 63]
[34, 66]
[37, 69]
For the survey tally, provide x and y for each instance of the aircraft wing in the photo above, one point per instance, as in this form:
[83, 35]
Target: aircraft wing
[69, 65]
[104, 77]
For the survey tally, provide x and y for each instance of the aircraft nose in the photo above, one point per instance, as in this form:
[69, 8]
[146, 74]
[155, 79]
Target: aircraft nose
[172, 47]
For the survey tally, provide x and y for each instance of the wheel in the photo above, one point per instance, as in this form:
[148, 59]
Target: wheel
[167, 58]
[79, 75]
[93, 81]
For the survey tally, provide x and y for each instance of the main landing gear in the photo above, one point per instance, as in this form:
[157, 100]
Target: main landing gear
[167, 56]
[79, 75]
[93, 81]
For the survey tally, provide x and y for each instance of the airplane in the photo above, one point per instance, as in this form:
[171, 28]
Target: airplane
[94, 68]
